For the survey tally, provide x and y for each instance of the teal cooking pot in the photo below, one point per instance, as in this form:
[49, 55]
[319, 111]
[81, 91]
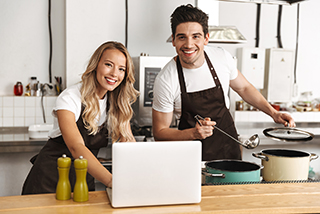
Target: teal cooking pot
[231, 171]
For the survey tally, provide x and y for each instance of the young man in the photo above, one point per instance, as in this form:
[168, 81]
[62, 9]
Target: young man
[197, 81]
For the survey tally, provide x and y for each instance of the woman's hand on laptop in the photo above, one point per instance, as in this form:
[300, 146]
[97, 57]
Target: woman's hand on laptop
[109, 184]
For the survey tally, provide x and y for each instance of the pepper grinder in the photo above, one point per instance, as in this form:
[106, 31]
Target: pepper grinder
[80, 192]
[63, 190]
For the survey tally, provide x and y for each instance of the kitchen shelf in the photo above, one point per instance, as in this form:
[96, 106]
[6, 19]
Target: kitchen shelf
[258, 117]
[16, 140]
[248, 122]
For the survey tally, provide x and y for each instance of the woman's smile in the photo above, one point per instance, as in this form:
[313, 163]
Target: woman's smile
[111, 71]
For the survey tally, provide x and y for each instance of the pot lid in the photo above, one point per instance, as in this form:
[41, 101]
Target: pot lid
[288, 134]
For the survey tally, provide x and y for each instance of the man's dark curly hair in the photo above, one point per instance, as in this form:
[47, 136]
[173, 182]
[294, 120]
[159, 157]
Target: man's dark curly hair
[188, 13]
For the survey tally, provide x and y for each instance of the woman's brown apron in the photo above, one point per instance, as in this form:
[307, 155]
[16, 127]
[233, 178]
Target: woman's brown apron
[209, 103]
[43, 176]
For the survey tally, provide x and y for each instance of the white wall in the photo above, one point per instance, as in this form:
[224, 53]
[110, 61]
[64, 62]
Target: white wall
[24, 42]
[308, 53]
[79, 26]
[243, 15]
[92, 24]
[87, 26]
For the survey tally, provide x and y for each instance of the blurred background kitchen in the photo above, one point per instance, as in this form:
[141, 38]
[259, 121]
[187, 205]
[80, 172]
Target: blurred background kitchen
[53, 40]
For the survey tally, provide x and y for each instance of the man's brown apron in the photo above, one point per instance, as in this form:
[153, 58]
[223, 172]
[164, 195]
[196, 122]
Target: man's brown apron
[209, 103]
[43, 176]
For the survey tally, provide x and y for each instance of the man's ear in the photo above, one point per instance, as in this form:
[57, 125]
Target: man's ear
[172, 40]
[206, 39]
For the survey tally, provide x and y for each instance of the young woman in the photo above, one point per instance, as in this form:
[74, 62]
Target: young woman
[84, 116]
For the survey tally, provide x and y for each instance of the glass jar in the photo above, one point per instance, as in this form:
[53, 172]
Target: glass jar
[240, 105]
[18, 89]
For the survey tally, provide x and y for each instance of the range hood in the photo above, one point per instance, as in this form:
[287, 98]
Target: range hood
[279, 2]
[223, 34]
[230, 34]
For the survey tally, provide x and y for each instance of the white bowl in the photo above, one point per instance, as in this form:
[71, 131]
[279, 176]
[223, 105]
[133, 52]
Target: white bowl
[39, 130]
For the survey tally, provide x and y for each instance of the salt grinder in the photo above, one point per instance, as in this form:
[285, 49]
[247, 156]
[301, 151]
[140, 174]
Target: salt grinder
[63, 190]
[80, 192]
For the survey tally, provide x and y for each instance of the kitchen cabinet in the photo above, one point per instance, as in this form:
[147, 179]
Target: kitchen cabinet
[249, 198]
[16, 149]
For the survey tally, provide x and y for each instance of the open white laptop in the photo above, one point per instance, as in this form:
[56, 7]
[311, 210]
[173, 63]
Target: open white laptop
[155, 173]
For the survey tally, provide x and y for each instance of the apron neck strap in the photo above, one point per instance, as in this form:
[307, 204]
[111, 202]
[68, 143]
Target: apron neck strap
[181, 76]
[212, 70]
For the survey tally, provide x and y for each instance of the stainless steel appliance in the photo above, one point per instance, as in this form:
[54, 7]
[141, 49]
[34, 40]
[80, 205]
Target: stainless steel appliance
[146, 70]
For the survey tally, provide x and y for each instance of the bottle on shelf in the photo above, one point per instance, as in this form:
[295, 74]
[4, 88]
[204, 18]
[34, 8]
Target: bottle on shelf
[240, 105]
[34, 87]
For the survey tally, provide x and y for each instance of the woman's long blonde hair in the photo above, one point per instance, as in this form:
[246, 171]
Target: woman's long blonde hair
[120, 99]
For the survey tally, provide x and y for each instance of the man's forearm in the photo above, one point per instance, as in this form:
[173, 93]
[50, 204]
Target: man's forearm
[174, 134]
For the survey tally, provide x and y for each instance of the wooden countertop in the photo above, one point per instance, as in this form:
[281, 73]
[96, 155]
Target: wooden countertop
[252, 198]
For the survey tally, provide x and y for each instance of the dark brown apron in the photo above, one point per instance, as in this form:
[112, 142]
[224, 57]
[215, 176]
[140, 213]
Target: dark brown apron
[43, 176]
[209, 103]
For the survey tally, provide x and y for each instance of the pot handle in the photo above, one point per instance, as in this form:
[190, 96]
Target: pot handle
[260, 155]
[206, 173]
[313, 157]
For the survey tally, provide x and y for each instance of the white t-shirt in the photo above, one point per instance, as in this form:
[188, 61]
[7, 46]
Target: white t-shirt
[166, 89]
[70, 99]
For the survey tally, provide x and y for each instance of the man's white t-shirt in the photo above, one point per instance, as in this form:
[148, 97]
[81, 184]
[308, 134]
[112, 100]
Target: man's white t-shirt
[70, 99]
[166, 89]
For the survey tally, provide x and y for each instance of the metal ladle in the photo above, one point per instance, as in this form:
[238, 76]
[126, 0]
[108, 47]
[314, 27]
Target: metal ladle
[250, 143]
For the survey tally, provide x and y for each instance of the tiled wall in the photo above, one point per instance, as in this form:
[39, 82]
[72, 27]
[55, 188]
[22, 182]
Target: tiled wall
[24, 111]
